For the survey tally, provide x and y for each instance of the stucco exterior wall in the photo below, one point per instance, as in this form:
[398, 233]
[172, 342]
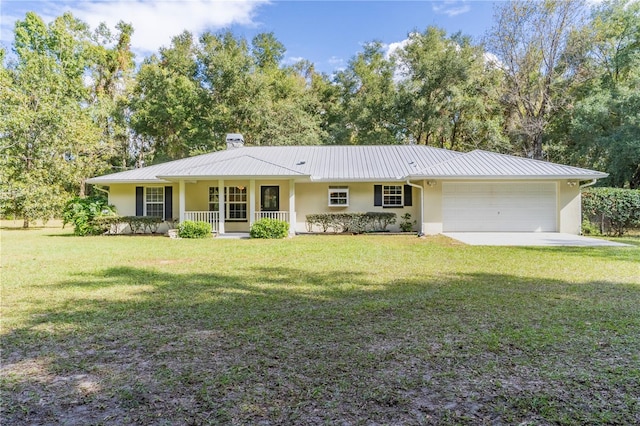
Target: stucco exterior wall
[123, 197]
[432, 224]
[314, 198]
[569, 207]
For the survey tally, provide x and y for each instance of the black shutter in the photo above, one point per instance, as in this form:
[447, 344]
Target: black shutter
[408, 199]
[139, 201]
[168, 202]
[377, 195]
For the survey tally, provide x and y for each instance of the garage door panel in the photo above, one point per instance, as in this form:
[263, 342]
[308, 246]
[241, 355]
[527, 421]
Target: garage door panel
[495, 207]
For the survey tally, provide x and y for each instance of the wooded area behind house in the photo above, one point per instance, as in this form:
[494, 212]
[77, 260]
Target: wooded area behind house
[552, 80]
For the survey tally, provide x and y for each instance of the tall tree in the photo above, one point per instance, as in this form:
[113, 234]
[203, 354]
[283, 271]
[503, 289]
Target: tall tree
[50, 137]
[530, 39]
[449, 93]
[367, 91]
[42, 117]
[168, 103]
[605, 121]
[189, 97]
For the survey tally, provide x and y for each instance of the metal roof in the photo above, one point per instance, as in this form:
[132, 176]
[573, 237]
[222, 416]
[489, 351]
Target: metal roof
[347, 163]
[484, 164]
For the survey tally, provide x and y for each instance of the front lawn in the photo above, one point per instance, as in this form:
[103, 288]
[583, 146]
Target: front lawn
[316, 330]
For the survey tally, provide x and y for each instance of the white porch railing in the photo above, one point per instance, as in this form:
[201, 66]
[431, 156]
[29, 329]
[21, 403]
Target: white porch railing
[204, 216]
[273, 215]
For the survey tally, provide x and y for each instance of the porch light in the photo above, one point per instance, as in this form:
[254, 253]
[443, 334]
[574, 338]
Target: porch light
[572, 183]
[431, 183]
[240, 187]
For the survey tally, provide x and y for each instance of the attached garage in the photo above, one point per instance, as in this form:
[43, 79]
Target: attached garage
[499, 206]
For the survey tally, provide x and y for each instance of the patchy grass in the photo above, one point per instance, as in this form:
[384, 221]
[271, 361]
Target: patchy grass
[316, 330]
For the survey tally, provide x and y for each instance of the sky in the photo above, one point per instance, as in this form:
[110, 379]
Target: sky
[327, 33]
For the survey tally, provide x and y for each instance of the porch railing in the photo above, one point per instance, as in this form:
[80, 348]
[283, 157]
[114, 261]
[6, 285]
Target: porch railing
[273, 215]
[204, 216]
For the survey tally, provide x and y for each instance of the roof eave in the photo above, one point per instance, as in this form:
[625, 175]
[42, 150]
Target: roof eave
[510, 177]
[174, 178]
[96, 181]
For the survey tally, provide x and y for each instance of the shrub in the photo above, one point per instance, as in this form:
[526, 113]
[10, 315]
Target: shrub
[192, 229]
[407, 225]
[81, 212]
[142, 223]
[269, 228]
[351, 222]
[612, 210]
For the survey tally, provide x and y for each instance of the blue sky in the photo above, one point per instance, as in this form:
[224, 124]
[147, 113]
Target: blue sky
[327, 33]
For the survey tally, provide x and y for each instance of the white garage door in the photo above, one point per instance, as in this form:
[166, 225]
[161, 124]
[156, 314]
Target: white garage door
[499, 207]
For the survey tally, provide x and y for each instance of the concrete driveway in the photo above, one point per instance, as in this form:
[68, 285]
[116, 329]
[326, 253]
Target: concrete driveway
[529, 239]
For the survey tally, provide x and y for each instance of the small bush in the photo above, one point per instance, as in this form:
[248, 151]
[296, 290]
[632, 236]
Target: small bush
[407, 225]
[191, 229]
[357, 223]
[82, 212]
[612, 210]
[269, 228]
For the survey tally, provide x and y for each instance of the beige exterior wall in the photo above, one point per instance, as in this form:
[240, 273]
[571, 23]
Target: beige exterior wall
[432, 224]
[569, 207]
[314, 198]
[123, 197]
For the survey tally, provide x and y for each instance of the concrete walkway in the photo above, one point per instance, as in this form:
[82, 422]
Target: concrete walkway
[529, 239]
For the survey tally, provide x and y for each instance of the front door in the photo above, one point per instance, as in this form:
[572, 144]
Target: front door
[269, 198]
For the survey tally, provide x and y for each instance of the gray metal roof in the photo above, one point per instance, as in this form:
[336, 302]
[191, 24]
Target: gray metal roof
[346, 163]
[484, 164]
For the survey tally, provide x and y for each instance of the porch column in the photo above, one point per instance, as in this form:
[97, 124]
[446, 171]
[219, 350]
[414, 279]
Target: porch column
[181, 200]
[221, 206]
[252, 202]
[292, 207]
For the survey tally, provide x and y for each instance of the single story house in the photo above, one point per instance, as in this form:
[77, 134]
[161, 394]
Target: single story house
[443, 190]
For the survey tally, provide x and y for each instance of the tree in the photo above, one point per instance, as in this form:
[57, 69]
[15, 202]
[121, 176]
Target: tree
[530, 40]
[367, 92]
[189, 97]
[51, 139]
[168, 103]
[605, 122]
[448, 96]
[42, 117]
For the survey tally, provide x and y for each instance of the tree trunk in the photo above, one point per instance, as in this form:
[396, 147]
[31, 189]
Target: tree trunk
[537, 146]
[25, 223]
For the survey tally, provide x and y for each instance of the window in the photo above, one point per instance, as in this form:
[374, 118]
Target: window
[338, 196]
[154, 201]
[392, 195]
[236, 202]
[214, 199]
[235, 198]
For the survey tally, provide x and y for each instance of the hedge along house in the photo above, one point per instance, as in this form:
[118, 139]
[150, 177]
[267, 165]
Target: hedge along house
[444, 191]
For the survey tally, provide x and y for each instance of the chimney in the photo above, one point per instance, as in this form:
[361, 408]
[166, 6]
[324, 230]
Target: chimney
[234, 140]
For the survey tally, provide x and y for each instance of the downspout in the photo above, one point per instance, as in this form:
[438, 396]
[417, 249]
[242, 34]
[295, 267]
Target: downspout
[593, 181]
[103, 190]
[421, 205]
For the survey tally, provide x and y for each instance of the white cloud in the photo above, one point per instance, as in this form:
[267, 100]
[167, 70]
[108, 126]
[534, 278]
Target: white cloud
[156, 22]
[293, 59]
[334, 60]
[451, 8]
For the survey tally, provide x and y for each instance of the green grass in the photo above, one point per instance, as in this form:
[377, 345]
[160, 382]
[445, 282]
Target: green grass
[316, 330]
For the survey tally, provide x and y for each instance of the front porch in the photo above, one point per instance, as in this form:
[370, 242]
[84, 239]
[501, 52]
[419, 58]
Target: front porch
[233, 206]
[213, 217]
